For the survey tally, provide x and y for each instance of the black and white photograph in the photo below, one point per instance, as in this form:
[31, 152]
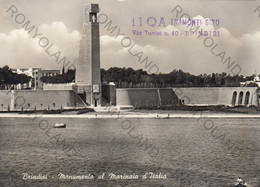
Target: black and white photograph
[130, 93]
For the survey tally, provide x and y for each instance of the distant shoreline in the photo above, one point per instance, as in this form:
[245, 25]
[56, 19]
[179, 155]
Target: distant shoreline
[132, 115]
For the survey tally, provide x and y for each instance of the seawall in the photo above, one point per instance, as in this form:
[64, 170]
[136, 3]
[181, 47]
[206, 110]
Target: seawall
[200, 96]
[36, 99]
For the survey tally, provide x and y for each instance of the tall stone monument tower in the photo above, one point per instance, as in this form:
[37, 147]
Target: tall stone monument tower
[88, 66]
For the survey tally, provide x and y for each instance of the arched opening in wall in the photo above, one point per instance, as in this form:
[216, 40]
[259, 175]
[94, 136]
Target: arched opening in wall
[240, 99]
[234, 98]
[247, 98]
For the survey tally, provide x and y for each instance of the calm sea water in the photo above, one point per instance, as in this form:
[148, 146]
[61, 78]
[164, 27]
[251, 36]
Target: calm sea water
[187, 151]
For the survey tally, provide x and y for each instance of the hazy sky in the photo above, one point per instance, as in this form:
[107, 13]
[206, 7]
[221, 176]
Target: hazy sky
[61, 22]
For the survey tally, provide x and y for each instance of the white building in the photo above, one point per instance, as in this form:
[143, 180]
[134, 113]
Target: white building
[256, 81]
[36, 74]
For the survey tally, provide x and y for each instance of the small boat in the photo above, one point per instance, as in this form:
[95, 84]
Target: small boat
[60, 125]
[241, 185]
[162, 117]
[159, 117]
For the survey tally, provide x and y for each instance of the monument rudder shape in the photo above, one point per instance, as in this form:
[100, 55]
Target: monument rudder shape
[88, 78]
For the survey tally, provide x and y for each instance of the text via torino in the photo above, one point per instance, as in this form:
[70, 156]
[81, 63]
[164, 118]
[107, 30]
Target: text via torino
[176, 33]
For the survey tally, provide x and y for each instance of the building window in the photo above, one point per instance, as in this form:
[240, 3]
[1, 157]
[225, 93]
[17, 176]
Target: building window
[234, 98]
[53, 104]
[247, 98]
[29, 105]
[240, 99]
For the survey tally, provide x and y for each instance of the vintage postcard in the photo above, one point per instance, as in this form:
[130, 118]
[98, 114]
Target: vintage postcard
[128, 93]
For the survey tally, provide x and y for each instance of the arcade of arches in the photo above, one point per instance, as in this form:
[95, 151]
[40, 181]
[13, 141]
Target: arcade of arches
[241, 98]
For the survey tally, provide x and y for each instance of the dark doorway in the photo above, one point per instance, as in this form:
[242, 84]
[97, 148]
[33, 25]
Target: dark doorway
[82, 96]
[247, 98]
[95, 103]
[82, 99]
[234, 98]
[240, 99]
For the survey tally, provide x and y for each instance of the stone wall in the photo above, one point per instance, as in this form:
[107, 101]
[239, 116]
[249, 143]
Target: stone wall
[168, 97]
[230, 96]
[198, 96]
[55, 99]
[138, 97]
[62, 86]
[218, 96]
[108, 95]
[5, 99]
[37, 99]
